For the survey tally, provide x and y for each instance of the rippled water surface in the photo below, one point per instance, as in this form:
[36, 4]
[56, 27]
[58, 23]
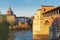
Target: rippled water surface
[25, 35]
[20, 35]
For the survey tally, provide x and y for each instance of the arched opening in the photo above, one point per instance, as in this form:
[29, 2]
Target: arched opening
[44, 9]
[47, 22]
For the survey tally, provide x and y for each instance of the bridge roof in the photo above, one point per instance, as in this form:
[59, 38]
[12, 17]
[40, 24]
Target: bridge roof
[51, 10]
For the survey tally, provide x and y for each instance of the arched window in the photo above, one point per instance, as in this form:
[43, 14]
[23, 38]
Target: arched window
[44, 9]
[37, 16]
[52, 17]
[47, 22]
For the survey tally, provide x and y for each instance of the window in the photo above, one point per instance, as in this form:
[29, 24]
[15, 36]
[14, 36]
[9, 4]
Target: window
[44, 9]
[52, 17]
[38, 16]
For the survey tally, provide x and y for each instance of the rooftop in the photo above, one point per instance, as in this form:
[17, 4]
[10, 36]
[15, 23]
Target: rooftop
[51, 10]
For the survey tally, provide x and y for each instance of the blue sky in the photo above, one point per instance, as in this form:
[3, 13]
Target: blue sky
[25, 7]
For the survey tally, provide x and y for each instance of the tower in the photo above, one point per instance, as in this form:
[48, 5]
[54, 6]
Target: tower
[36, 22]
[9, 11]
[11, 18]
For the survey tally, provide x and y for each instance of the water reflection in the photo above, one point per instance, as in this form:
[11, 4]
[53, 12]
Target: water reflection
[25, 35]
[40, 37]
[20, 35]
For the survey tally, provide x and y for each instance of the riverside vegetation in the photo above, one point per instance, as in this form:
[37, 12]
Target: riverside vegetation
[3, 28]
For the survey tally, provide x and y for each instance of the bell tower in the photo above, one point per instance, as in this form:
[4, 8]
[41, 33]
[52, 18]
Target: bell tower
[11, 18]
[9, 11]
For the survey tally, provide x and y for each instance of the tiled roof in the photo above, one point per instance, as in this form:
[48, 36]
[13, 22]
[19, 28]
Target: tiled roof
[51, 10]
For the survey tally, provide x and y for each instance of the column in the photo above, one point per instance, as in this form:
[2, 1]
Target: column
[58, 11]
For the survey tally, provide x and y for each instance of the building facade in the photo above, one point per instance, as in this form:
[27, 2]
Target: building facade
[17, 22]
[44, 18]
[23, 22]
[11, 18]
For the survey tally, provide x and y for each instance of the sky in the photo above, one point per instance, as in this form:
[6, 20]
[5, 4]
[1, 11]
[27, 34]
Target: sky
[25, 7]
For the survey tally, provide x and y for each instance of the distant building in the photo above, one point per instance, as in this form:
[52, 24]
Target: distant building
[11, 18]
[23, 21]
[17, 21]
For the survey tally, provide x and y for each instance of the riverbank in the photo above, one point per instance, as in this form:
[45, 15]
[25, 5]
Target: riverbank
[28, 28]
[4, 30]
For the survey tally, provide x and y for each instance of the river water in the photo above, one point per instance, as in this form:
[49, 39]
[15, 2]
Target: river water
[25, 35]
[20, 35]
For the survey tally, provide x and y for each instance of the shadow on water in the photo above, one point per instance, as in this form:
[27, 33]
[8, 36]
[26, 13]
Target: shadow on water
[4, 30]
[3, 34]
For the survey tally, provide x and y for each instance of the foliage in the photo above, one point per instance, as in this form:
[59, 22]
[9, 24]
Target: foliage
[4, 30]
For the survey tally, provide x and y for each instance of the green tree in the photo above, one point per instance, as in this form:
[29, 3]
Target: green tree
[3, 28]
